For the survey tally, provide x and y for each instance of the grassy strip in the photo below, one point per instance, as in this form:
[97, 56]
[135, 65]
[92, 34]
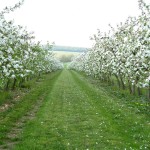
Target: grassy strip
[65, 121]
[8, 96]
[38, 90]
[140, 103]
[131, 123]
[5, 96]
[76, 115]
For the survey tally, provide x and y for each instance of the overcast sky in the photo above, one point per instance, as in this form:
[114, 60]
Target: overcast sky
[71, 22]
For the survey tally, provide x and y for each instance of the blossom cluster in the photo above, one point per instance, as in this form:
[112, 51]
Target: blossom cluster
[123, 52]
[20, 57]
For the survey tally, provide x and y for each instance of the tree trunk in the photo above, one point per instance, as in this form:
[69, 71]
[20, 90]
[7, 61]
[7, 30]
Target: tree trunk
[109, 81]
[130, 87]
[122, 83]
[21, 82]
[14, 84]
[149, 92]
[7, 84]
[133, 89]
[118, 81]
[139, 91]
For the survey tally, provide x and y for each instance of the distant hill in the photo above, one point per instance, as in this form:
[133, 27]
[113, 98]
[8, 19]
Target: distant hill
[69, 49]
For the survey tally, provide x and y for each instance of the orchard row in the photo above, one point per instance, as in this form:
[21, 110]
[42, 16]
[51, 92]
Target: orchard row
[122, 54]
[20, 57]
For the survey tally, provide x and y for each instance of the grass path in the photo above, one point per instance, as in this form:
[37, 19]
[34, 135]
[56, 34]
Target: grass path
[75, 115]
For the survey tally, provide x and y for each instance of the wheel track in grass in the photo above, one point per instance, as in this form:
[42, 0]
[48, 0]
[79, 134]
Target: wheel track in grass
[16, 128]
[126, 121]
[77, 115]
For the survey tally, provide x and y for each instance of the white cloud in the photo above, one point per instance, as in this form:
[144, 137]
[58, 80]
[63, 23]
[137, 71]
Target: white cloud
[71, 22]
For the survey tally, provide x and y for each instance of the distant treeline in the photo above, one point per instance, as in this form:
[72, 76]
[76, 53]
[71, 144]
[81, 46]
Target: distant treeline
[69, 49]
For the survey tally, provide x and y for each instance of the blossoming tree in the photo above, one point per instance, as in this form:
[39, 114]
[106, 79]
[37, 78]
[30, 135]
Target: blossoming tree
[123, 53]
[20, 57]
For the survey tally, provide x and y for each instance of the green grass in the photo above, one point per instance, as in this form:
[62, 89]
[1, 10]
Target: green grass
[140, 103]
[38, 90]
[5, 96]
[78, 115]
[131, 122]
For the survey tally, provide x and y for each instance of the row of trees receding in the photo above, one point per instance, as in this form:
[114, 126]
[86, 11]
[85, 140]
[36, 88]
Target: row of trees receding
[20, 58]
[122, 54]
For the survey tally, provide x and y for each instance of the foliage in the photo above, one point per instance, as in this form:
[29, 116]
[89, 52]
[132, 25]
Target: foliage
[21, 58]
[123, 52]
[69, 49]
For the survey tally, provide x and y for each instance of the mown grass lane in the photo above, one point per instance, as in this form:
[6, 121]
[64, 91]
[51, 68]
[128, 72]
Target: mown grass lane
[76, 115]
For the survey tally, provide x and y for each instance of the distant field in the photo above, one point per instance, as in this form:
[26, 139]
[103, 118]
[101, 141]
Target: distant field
[69, 49]
[66, 53]
[61, 53]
